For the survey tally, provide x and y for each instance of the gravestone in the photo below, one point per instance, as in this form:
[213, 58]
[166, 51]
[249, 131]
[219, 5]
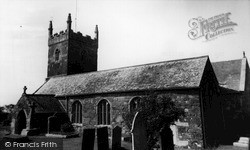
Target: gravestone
[139, 133]
[248, 144]
[102, 138]
[166, 136]
[88, 139]
[53, 124]
[116, 138]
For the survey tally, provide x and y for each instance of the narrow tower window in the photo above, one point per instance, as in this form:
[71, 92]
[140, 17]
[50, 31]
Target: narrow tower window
[57, 53]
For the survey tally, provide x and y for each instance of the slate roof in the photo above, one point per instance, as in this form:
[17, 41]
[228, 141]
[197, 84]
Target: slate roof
[43, 103]
[184, 73]
[228, 73]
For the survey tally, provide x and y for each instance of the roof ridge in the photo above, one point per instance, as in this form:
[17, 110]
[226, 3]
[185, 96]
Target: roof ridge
[47, 95]
[40, 86]
[226, 60]
[113, 69]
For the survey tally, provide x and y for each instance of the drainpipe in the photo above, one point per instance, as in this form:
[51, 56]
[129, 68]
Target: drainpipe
[67, 104]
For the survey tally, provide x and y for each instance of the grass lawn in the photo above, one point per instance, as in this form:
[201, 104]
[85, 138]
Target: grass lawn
[4, 130]
[75, 143]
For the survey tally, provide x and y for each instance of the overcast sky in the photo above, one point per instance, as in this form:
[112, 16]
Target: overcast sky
[130, 33]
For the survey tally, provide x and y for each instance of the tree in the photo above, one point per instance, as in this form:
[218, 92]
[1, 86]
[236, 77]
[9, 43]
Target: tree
[1, 109]
[9, 108]
[6, 113]
[1, 113]
[158, 111]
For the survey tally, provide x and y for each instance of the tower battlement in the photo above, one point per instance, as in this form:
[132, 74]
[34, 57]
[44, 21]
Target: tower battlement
[64, 35]
[58, 37]
[70, 52]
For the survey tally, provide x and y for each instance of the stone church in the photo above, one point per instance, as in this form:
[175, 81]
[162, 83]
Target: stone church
[76, 91]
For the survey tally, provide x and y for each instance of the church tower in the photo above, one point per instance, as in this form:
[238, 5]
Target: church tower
[70, 52]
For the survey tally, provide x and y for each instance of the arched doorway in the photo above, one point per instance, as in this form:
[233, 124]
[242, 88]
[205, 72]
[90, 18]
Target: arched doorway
[20, 122]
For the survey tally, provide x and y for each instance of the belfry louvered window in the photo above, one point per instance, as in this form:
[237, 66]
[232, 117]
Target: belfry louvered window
[103, 110]
[77, 112]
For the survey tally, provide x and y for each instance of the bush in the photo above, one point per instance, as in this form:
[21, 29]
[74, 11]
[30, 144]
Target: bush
[158, 111]
[6, 122]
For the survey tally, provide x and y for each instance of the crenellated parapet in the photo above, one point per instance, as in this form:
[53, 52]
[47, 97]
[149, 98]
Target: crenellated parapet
[87, 40]
[71, 52]
[69, 34]
[63, 35]
[58, 37]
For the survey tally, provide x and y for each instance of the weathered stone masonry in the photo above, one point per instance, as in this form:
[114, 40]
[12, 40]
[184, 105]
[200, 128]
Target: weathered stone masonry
[190, 102]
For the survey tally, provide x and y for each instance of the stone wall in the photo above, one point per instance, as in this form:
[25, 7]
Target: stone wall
[89, 108]
[82, 56]
[246, 101]
[236, 109]
[58, 67]
[78, 53]
[233, 117]
[190, 132]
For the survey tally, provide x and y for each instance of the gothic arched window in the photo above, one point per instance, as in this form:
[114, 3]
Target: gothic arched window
[77, 112]
[134, 104]
[103, 111]
[57, 53]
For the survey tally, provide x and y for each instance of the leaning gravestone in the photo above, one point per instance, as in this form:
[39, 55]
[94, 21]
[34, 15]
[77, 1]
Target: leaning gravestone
[102, 138]
[116, 138]
[167, 142]
[88, 139]
[139, 133]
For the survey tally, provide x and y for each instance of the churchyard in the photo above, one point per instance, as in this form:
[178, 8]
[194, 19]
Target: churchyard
[99, 139]
[75, 144]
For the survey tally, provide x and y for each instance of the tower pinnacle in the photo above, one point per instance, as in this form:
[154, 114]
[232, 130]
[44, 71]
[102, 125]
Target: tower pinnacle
[70, 52]
[96, 32]
[50, 29]
[69, 23]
